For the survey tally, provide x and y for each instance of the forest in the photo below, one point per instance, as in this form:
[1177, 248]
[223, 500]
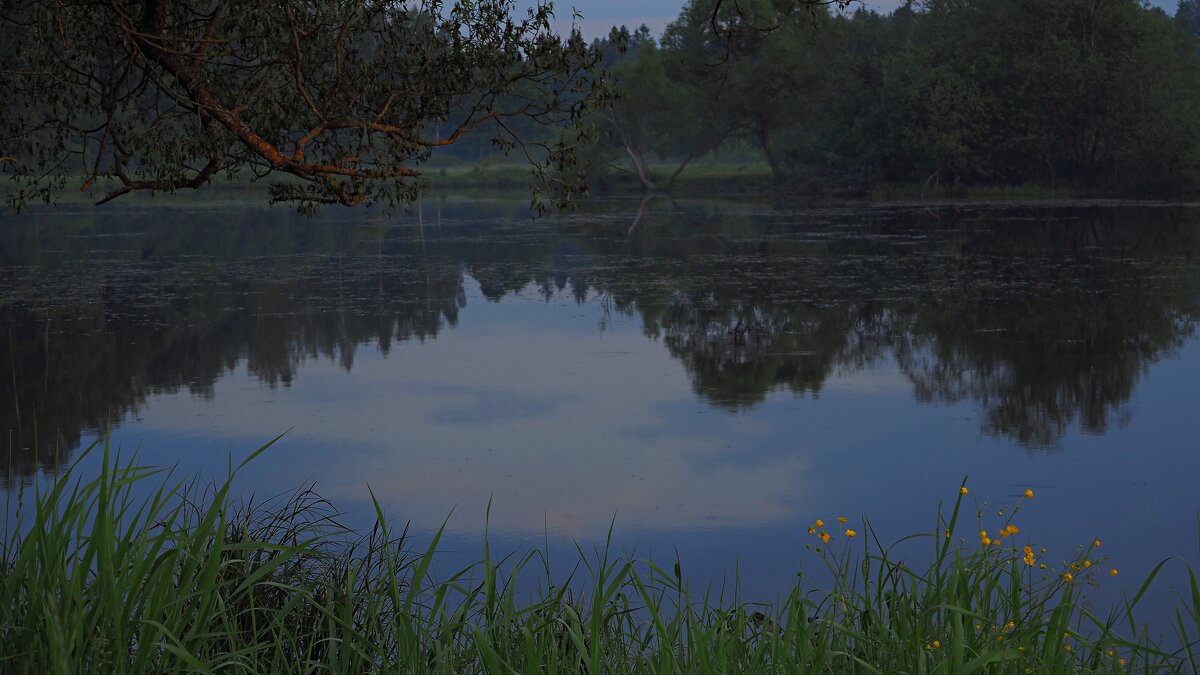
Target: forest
[1098, 96]
[1091, 97]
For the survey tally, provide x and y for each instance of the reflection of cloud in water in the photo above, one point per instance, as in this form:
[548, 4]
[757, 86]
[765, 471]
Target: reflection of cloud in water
[883, 377]
[483, 406]
[548, 453]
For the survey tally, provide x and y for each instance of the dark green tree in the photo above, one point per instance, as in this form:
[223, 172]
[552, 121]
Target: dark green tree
[635, 125]
[344, 100]
[1081, 93]
[1187, 17]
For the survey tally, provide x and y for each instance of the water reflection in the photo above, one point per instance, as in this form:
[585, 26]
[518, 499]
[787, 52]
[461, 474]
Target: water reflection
[1044, 317]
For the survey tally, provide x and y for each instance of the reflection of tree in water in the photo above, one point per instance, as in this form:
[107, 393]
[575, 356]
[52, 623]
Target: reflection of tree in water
[739, 338]
[1065, 342]
[1044, 323]
[86, 344]
[1044, 319]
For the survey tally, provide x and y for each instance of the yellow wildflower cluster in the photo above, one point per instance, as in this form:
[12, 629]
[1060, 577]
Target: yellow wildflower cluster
[818, 524]
[1028, 555]
[815, 529]
[1008, 531]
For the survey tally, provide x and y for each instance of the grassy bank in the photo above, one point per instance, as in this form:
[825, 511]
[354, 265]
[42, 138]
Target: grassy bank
[712, 178]
[95, 579]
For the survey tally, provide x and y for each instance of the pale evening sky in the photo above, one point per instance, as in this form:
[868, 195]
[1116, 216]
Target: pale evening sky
[600, 15]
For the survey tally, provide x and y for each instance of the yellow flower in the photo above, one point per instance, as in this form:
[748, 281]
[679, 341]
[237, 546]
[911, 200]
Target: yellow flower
[996, 542]
[820, 523]
[812, 530]
[1010, 625]
[1121, 662]
[1068, 577]
[999, 638]
[1096, 543]
[1028, 550]
[1028, 494]
[985, 541]
[937, 645]
[825, 537]
[982, 534]
[1109, 652]
[1087, 564]
[1067, 647]
[927, 647]
[851, 533]
[963, 490]
[1030, 560]
[841, 519]
[1012, 529]
[1112, 572]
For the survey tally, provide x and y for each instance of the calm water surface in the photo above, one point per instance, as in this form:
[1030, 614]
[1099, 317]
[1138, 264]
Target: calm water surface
[712, 374]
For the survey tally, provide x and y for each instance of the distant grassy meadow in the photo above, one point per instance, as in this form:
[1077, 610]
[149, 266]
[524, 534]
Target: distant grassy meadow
[187, 579]
[720, 177]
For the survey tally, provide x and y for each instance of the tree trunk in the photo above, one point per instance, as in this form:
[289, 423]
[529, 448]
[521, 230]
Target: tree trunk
[682, 165]
[635, 155]
[639, 167]
[764, 139]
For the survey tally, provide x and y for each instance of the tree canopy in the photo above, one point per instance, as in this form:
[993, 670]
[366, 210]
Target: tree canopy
[344, 99]
[1102, 95]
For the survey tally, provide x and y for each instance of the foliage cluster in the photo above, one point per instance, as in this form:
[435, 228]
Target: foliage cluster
[1098, 95]
[100, 580]
[337, 102]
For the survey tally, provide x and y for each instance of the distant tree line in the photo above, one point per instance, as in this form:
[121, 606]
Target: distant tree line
[346, 102]
[1101, 95]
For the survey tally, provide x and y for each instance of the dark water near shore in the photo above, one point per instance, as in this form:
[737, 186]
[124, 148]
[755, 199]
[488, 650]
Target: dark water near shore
[714, 375]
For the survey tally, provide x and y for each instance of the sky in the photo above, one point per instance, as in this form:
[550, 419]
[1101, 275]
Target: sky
[600, 15]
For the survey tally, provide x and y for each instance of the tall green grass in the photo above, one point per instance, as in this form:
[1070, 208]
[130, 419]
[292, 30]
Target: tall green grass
[184, 578]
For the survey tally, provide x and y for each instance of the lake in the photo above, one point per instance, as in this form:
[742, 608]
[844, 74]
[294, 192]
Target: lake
[706, 377]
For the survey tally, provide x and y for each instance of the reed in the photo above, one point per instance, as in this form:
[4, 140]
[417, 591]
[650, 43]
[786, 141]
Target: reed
[185, 578]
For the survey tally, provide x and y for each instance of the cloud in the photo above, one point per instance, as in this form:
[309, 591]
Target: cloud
[563, 431]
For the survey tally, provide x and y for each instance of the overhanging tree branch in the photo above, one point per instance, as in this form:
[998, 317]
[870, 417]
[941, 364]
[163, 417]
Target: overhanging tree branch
[340, 95]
